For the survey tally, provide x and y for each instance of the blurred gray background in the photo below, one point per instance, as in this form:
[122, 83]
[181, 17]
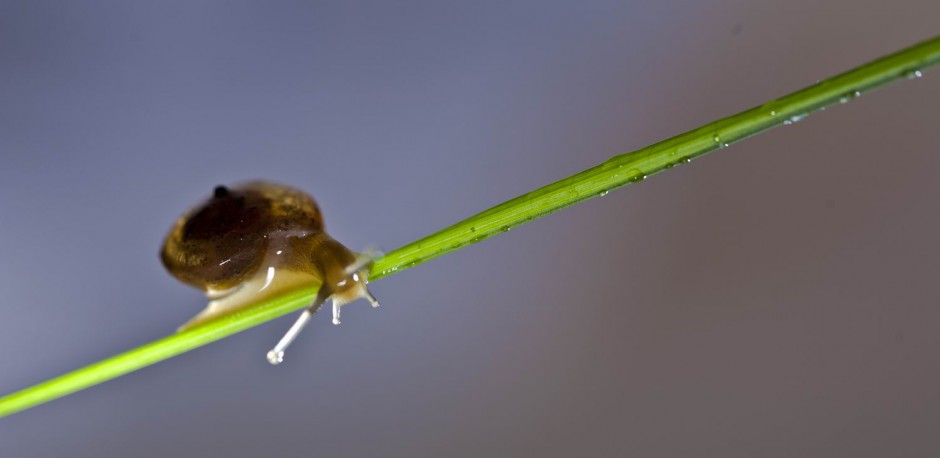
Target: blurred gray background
[777, 298]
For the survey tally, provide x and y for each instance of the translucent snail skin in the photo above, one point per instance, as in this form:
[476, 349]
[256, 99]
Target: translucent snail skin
[252, 241]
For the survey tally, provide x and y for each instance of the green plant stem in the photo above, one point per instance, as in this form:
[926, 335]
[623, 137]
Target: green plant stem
[618, 171]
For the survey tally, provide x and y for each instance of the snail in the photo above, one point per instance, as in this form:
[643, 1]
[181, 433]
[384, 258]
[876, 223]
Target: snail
[255, 240]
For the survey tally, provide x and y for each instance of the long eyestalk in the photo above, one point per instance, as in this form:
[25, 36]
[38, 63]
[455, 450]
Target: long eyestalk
[276, 355]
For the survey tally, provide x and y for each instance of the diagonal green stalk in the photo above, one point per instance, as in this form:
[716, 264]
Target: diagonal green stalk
[618, 171]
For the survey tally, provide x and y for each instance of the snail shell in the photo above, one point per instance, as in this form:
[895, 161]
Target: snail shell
[252, 241]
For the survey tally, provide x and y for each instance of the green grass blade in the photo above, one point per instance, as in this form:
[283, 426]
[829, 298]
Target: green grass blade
[618, 171]
[634, 166]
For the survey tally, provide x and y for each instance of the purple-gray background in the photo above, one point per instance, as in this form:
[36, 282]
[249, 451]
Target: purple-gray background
[778, 298]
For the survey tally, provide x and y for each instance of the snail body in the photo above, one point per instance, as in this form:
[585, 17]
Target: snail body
[253, 241]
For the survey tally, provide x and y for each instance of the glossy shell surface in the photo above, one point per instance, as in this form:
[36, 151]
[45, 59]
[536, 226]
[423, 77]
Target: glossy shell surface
[226, 240]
